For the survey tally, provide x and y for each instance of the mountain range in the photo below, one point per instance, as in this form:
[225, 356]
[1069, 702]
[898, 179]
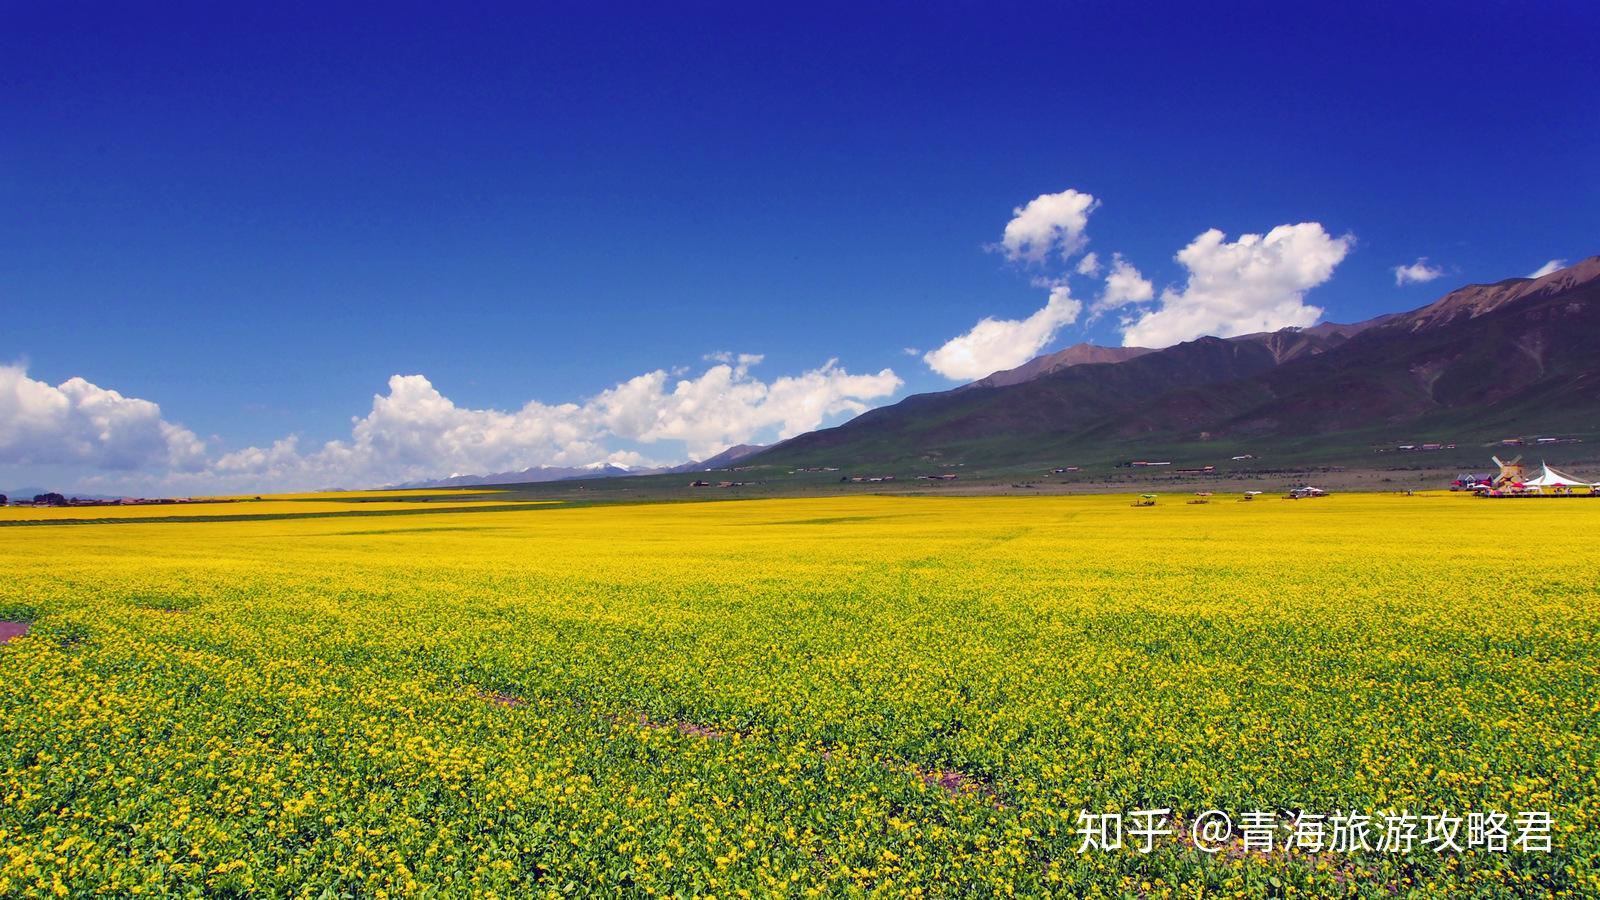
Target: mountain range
[541, 474]
[1518, 356]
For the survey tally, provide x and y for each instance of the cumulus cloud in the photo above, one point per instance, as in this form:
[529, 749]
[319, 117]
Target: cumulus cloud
[80, 423]
[1257, 283]
[1124, 285]
[726, 405]
[413, 431]
[1554, 265]
[995, 344]
[1416, 273]
[283, 454]
[1049, 228]
[1048, 223]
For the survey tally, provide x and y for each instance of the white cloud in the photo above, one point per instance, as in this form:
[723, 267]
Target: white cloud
[1554, 265]
[995, 344]
[1049, 226]
[726, 406]
[1050, 222]
[1416, 273]
[282, 454]
[1124, 285]
[79, 423]
[1256, 283]
[415, 432]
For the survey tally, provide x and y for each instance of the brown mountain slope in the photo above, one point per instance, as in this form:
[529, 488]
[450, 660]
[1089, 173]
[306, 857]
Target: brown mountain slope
[1523, 354]
[1285, 345]
[1476, 300]
[1076, 355]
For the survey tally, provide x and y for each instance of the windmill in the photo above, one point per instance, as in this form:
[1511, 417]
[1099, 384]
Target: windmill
[1510, 471]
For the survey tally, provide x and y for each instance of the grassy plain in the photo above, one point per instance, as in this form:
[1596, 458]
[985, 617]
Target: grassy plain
[892, 695]
[266, 508]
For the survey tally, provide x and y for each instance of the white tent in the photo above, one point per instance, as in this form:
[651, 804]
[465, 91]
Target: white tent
[1554, 478]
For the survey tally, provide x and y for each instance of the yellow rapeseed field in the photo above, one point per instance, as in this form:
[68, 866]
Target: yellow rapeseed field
[870, 695]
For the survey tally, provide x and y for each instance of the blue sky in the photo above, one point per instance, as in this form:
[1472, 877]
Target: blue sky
[256, 219]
